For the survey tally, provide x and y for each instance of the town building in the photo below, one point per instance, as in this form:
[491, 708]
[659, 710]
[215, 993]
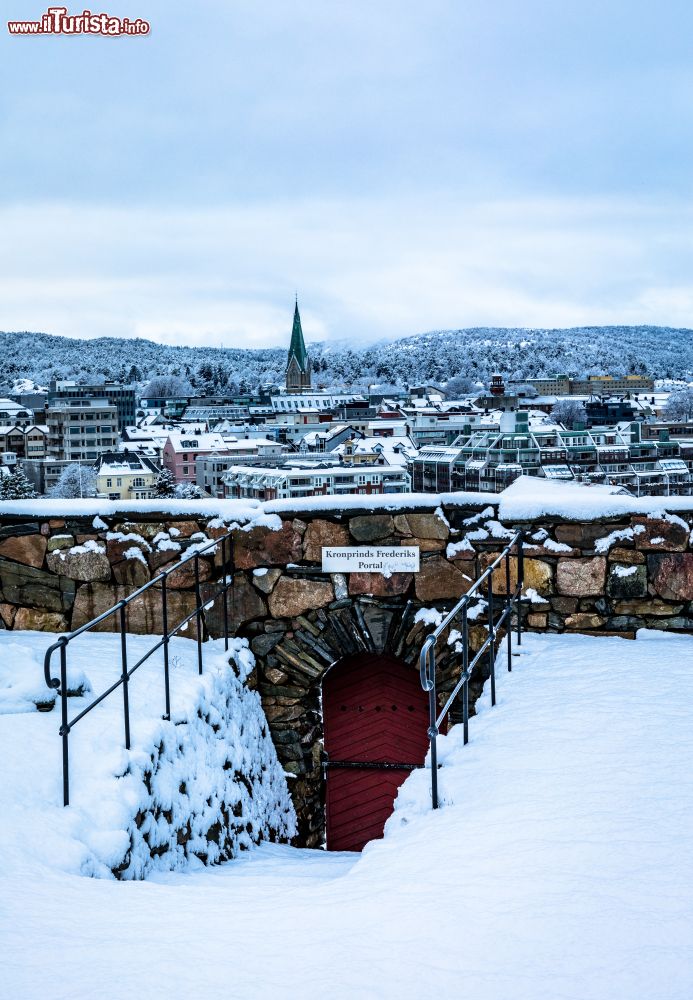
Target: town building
[26, 441]
[489, 460]
[123, 397]
[13, 413]
[210, 468]
[563, 385]
[182, 450]
[314, 480]
[125, 475]
[79, 430]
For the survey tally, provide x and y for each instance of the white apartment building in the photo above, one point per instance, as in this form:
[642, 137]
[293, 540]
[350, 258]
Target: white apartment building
[291, 483]
[79, 430]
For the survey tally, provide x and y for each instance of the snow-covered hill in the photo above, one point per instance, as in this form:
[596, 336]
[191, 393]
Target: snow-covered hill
[521, 353]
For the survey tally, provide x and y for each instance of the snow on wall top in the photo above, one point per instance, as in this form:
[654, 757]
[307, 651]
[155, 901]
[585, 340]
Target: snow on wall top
[382, 502]
[228, 510]
[527, 499]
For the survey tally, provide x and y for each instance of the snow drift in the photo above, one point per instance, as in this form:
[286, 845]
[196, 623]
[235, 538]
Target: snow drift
[192, 791]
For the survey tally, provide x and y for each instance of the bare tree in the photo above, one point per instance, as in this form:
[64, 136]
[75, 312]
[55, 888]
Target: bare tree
[569, 412]
[75, 481]
[458, 385]
[167, 387]
[679, 405]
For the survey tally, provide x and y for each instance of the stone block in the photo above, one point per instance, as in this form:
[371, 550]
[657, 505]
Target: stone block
[320, 533]
[672, 575]
[131, 573]
[537, 620]
[291, 597]
[56, 542]
[183, 578]
[538, 575]
[266, 581]
[29, 587]
[263, 547]
[428, 526]
[27, 549]
[584, 536]
[424, 544]
[263, 644]
[243, 604]
[144, 613]
[581, 577]
[651, 607]
[147, 529]
[178, 529]
[659, 534]
[15, 530]
[564, 605]
[40, 621]
[582, 621]
[88, 565]
[7, 614]
[626, 582]
[440, 580]
[378, 585]
[371, 527]
[628, 556]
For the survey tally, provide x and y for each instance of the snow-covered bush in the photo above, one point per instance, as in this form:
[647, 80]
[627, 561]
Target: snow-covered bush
[16, 486]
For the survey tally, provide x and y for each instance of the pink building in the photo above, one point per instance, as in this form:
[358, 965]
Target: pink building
[182, 449]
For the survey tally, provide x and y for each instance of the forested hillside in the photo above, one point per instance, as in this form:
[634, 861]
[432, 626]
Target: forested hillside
[517, 353]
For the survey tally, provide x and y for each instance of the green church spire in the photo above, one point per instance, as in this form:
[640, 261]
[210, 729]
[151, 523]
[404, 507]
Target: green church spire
[297, 348]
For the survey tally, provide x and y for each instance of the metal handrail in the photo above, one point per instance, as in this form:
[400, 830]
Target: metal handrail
[427, 657]
[60, 683]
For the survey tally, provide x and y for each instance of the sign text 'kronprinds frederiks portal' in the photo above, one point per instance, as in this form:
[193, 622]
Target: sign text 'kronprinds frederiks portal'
[370, 559]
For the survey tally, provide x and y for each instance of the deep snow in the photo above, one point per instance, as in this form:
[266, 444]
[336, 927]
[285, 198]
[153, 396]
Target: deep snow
[560, 866]
[214, 752]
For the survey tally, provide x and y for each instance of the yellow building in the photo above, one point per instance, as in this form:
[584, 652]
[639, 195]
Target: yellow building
[125, 475]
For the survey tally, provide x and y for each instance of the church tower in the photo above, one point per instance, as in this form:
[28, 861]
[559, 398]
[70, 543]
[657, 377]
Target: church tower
[298, 362]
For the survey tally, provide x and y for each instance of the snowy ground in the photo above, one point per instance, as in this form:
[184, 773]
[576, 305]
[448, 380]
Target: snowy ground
[560, 867]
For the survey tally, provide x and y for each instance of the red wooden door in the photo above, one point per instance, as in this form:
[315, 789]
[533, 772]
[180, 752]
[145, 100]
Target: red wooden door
[374, 712]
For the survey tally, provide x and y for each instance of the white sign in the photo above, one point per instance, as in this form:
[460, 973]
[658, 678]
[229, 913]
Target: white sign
[370, 559]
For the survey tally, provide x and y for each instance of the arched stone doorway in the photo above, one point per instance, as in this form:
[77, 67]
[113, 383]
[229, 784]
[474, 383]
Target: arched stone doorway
[375, 717]
[294, 655]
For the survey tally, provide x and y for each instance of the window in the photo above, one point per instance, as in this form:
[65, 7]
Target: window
[119, 481]
[109, 482]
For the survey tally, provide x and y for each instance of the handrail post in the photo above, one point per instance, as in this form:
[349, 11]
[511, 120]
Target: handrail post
[225, 589]
[164, 624]
[64, 727]
[124, 673]
[520, 584]
[198, 612]
[492, 638]
[508, 613]
[465, 669]
[432, 728]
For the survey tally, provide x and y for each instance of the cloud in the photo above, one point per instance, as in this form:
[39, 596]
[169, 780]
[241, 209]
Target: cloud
[364, 268]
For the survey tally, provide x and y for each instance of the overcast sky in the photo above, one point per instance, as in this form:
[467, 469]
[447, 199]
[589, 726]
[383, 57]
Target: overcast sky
[405, 166]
